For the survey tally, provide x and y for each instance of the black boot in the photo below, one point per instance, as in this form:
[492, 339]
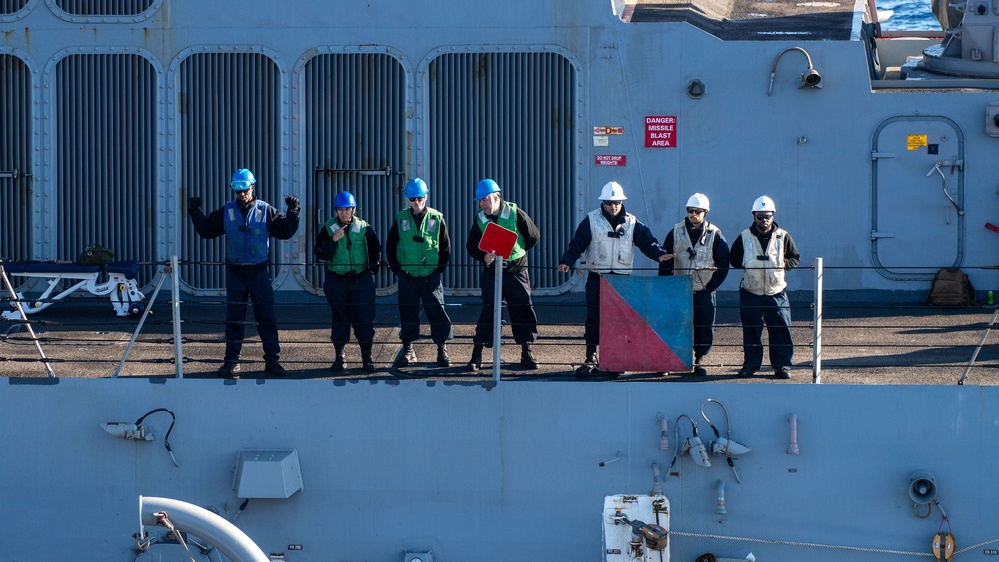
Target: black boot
[475, 363]
[443, 359]
[589, 366]
[337, 365]
[527, 356]
[406, 356]
[366, 362]
[699, 369]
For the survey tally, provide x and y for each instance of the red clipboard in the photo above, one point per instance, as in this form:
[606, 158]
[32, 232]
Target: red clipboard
[498, 240]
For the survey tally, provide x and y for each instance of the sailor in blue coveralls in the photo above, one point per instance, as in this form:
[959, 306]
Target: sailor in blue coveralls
[418, 248]
[351, 250]
[516, 282]
[248, 224]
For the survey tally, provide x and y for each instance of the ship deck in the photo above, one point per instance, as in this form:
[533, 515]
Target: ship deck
[862, 343]
[752, 20]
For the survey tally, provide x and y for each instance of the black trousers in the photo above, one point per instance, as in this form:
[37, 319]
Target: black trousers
[517, 293]
[429, 290]
[352, 303]
[245, 284]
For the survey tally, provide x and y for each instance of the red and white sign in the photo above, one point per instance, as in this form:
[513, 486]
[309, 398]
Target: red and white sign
[660, 131]
[608, 130]
[611, 160]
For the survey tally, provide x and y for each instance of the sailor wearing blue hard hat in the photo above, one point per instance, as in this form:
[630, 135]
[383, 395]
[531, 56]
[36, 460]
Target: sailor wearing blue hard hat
[248, 224]
[516, 282]
[418, 248]
[351, 250]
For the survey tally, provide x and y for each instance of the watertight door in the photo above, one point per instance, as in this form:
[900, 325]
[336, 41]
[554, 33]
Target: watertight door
[917, 203]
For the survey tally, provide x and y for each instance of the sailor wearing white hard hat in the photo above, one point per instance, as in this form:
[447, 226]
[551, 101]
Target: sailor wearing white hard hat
[764, 251]
[702, 253]
[607, 236]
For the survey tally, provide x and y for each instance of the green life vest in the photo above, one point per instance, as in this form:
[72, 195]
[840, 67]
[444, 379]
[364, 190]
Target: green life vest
[419, 244]
[507, 219]
[352, 257]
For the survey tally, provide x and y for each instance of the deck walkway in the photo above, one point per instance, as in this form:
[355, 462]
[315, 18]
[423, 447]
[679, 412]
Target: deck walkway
[864, 343]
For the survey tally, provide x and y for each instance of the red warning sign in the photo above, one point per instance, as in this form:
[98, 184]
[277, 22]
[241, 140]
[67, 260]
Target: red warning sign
[611, 160]
[498, 240]
[660, 131]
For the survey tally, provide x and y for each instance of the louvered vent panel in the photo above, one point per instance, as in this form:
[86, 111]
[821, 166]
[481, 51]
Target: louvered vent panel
[104, 7]
[15, 154]
[355, 130]
[11, 6]
[105, 156]
[508, 117]
[229, 105]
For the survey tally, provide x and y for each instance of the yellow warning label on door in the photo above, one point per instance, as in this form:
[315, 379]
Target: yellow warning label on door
[916, 141]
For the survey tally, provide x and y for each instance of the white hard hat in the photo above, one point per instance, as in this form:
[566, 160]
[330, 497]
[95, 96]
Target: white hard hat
[699, 201]
[764, 203]
[612, 191]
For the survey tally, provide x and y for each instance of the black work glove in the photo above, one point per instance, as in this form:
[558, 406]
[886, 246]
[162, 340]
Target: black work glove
[292, 203]
[193, 204]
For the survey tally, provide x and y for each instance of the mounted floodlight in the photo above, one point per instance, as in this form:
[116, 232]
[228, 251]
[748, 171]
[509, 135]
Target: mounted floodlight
[811, 78]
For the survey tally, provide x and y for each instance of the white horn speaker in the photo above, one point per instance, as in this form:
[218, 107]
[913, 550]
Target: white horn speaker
[922, 487]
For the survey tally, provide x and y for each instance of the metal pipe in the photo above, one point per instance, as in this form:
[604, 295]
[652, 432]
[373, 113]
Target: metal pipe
[178, 352]
[225, 536]
[138, 328]
[792, 440]
[497, 316]
[20, 310]
[817, 334]
[981, 342]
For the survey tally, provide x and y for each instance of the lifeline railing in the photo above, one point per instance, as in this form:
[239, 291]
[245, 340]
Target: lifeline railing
[846, 347]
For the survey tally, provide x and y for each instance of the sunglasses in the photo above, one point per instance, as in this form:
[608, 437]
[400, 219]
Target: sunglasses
[411, 199]
[764, 216]
[693, 211]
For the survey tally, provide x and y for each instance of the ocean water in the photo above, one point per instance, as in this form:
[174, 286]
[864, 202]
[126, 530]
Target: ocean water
[908, 15]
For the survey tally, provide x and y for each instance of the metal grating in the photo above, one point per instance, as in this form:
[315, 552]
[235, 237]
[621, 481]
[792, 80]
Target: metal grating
[12, 6]
[355, 115]
[106, 167]
[15, 154]
[229, 118]
[508, 117]
[104, 7]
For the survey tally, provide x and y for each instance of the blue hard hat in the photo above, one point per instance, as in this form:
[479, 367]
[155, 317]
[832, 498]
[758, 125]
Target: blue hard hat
[416, 188]
[344, 200]
[485, 187]
[242, 180]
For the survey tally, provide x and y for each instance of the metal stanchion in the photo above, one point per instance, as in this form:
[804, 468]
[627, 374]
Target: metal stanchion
[817, 337]
[178, 352]
[138, 328]
[24, 317]
[497, 316]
